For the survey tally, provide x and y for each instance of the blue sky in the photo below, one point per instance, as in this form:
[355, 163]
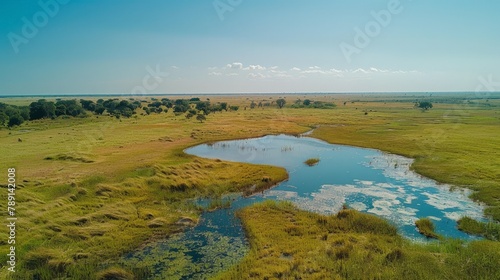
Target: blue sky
[238, 46]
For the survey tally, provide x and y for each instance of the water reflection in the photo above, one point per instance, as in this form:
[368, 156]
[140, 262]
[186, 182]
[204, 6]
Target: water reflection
[364, 179]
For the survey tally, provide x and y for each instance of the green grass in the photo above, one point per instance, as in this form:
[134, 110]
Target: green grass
[312, 161]
[488, 230]
[426, 227]
[287, 243]
[91, 189]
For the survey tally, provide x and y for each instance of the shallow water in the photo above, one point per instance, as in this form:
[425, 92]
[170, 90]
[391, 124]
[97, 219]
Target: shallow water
[365, 179]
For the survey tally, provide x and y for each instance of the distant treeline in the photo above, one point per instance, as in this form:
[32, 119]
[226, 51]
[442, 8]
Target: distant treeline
[307, 103]
[11, 115]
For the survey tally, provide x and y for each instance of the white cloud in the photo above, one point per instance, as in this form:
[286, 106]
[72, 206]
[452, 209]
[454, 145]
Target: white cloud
[174, 67]
[273, 67]
[399, 72]
[235, 65]
[313, 71]
[256, 76]
[255, 67]
[295, 69]
[373, 69]
[360, 70]
[232, 74]
[214, 74]
[281, 75]
[333, 70]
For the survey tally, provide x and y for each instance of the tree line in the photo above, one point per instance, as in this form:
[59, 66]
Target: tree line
[11, 115]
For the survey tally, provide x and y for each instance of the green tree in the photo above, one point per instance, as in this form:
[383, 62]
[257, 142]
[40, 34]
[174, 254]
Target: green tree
[60, 110]
[201, 117]
[16, 119]
[156, 104]
[280, 102]
[4, 119]
[307, 102]
[99, 109]
[204, 106]
[88, 105]
[424, 105]
[42, 109]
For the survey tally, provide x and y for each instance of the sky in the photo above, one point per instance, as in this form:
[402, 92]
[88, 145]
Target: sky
[247, 46]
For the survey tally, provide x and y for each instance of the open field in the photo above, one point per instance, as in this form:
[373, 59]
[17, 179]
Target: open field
[91, 189]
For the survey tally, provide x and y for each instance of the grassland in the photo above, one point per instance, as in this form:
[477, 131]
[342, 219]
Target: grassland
[91, 189]
[287, 243]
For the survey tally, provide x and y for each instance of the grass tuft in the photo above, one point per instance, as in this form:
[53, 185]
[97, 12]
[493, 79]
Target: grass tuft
[426, 227]
[490, 230]
[312, 161]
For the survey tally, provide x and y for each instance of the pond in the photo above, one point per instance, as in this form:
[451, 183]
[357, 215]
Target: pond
[364, 179]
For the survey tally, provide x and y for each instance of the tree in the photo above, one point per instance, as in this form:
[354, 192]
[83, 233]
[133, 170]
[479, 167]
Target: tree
[42, 109]
[201, 117]
[16, 119]
[4, 119]
[425, 105]
[137, 104]
[99, 109]
[253, 105]
[181, 106]
[88, 105]
[234, 108]
[156, 104]
[69, 107]
[167, 103]
[280, 102]
[179, 109]
[223, 106]
[203, 106]
[307, 102]
[60, 110]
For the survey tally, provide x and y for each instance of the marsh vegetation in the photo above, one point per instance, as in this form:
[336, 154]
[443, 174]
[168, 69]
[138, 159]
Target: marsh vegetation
[312, 161]
[94, 188]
